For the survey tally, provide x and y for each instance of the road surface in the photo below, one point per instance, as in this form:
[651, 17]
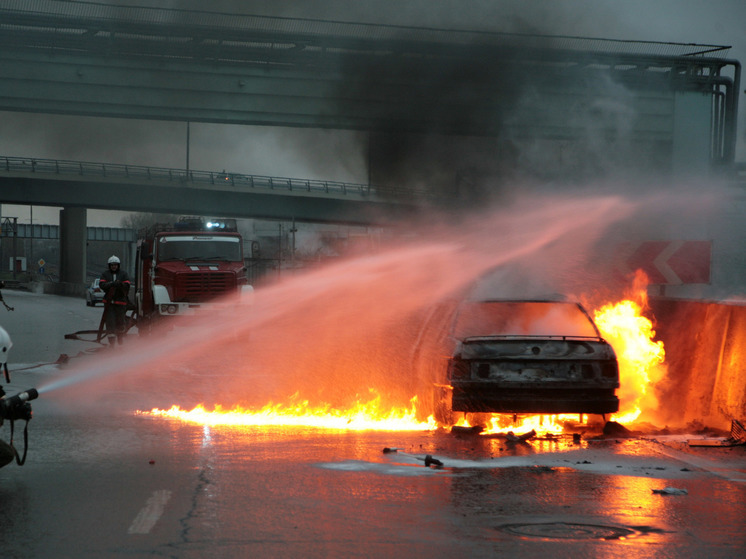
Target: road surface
[102, 481]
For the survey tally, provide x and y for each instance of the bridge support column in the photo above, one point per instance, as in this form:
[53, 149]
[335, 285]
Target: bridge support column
[73, 245]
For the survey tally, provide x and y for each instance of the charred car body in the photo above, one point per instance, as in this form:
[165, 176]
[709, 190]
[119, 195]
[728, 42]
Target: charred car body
[526, 356]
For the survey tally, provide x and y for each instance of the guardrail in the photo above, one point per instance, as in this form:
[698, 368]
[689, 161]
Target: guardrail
[197, 179]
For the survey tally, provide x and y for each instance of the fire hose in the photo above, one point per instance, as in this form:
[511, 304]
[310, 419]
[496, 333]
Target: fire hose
[7, 306]
[14, 408]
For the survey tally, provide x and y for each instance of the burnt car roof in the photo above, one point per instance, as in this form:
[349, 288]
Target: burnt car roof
[555, 318]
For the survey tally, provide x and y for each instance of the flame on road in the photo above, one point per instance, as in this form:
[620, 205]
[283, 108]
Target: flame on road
[622, 324]
[364, 415]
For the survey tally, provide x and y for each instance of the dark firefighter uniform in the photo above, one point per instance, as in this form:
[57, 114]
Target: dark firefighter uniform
[116, 285]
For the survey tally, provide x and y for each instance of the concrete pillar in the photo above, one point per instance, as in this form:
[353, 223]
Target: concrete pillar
[73, 245]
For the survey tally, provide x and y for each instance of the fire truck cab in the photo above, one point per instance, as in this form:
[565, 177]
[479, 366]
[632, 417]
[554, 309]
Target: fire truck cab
[187, 266]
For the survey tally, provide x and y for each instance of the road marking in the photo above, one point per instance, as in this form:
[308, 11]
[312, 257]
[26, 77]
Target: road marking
[150, 513]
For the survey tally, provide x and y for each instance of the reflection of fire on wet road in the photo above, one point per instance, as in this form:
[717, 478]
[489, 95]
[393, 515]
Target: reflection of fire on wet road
[622, 324]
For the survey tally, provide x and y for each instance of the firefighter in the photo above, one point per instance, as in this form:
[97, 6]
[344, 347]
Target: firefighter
[116, 285]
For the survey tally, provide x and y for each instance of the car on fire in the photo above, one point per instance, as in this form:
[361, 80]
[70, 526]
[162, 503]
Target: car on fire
[541, 356]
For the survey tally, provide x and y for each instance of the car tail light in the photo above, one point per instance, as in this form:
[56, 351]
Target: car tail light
[458, 369]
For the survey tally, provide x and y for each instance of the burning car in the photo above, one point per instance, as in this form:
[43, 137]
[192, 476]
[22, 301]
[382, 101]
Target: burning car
[527, 356]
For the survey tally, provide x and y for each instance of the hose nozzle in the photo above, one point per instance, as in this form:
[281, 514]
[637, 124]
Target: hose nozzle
[17, 406]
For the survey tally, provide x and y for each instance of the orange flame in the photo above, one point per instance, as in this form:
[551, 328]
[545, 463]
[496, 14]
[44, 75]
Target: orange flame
[640, 357]
[542, 424]
[362, 416]
[622, 324]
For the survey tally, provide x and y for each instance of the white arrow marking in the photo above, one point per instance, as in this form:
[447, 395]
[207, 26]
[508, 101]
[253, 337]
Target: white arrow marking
[661, 263]
[150, 513]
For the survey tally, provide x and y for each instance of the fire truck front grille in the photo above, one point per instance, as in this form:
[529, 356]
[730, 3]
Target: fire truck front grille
[198, 286]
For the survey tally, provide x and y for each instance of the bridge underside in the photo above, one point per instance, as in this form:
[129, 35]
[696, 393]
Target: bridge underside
[149, 197]
[443, 109]
[149, 63]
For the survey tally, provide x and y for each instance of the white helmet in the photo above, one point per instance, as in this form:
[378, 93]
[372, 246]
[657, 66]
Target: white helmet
[5, 345]
[113, 260]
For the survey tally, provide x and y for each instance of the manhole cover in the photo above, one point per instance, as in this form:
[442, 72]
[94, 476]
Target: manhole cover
[567, 531]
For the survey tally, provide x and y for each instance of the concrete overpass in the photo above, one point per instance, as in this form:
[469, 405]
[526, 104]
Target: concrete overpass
[110, 186]
[450, 109]
[85, 58]
[78, 186]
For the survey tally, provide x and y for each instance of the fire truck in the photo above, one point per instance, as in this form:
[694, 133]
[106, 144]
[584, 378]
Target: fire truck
[188, 266]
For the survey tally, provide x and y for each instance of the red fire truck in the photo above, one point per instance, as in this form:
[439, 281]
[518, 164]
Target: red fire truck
[186, 266]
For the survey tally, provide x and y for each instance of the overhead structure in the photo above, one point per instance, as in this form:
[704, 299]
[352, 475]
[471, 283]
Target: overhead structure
[86, 58]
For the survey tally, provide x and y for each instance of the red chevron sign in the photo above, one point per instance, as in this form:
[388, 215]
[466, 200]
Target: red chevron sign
[669, 262]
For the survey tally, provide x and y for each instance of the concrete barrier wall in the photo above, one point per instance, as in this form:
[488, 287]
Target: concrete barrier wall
[705, 347]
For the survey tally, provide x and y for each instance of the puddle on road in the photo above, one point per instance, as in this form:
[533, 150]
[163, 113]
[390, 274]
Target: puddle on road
[636, 458]
[576, 531]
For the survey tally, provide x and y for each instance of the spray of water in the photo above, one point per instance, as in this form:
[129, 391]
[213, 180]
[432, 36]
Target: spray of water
[331, 335]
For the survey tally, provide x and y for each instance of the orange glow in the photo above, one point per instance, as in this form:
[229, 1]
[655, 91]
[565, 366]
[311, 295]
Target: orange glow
[640, 357]
[622, 324]
[363, 416]
[542, 424]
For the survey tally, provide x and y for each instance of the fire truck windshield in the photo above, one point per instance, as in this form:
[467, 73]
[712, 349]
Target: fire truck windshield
[195, 248]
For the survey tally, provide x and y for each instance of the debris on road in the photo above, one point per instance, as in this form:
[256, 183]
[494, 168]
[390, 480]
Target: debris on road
[476, 430]
[389, 450]
[511, 437]
[430, 461]
[671, 491]
[614, 429]
[737, 437]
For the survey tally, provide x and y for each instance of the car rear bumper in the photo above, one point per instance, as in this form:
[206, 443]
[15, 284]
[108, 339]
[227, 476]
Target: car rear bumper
[482, 397]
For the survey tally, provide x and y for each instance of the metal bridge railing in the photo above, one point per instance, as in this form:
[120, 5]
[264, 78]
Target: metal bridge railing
[197, 179]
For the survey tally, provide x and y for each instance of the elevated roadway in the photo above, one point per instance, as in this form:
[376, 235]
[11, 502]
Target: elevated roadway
[106, 186]
[78, 186]
[564, 97]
